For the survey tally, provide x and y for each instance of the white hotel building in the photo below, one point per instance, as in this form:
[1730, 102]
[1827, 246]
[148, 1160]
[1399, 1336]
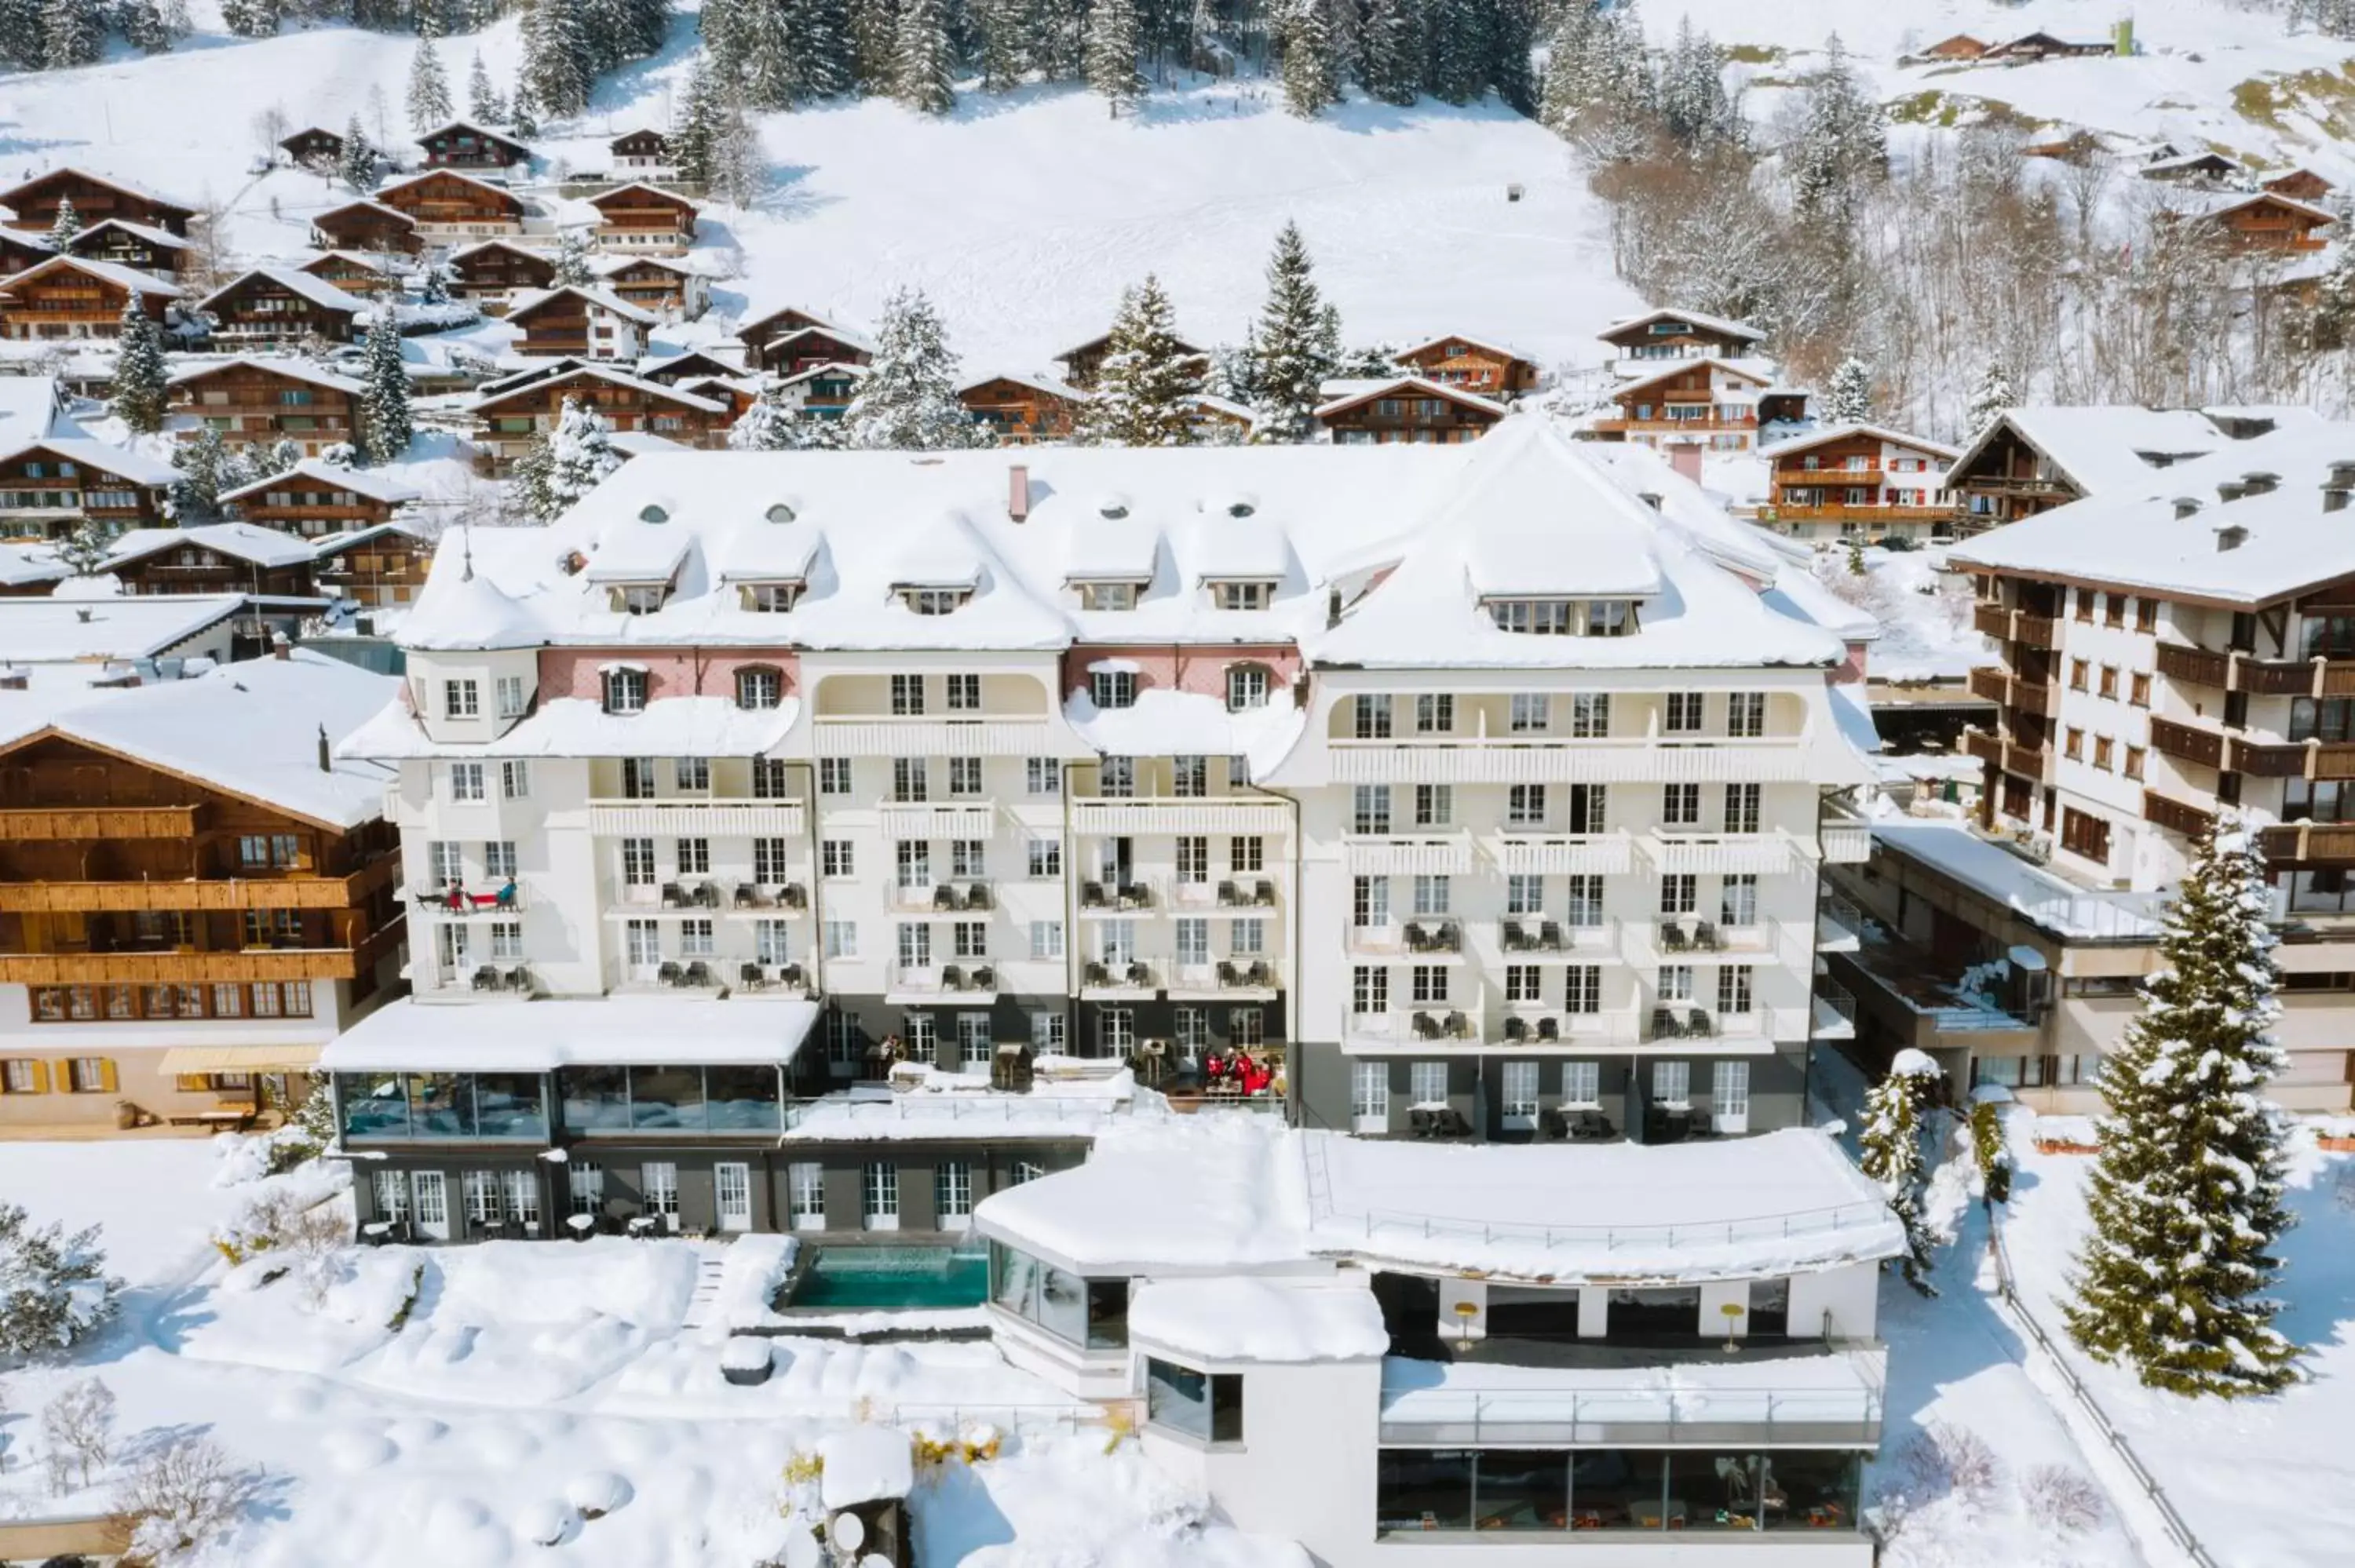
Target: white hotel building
[1475, 793]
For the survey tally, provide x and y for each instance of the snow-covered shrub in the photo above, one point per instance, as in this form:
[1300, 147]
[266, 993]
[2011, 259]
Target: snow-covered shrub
[78, 1427]
[2062, 1501]
[399, 1319]
[54, 1287]
[1989, 1150]
[596, 1493]
[1942, 1459]
[181, 1498]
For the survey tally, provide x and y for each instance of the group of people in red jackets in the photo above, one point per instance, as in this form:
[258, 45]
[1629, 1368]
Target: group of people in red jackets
[1235, 1073]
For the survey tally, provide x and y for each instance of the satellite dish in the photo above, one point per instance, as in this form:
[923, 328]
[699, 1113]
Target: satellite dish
[801, 1549]
[849, 1532]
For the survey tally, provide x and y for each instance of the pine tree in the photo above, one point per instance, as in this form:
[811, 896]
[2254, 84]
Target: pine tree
[571, 263]
[821, 30]
[696, 133]
[1310, 84]
[1849, 399]
[1842, 143]
[770, 64]
[356, 163]
[1113, 41]
[580, 455]
[434, 289]
[429, 90]
[65, 226]
[196, 494]
[54, 1287]
[1146, 379]
[1290, 345]
[874, 45]
[1457, 72]
[773, 424]
[251, 18]
[1001, 55]
[1694, 105]
[2174, 1280]
[523, 109]
[558, 57]
[922, 75]
[1390, 63]
[1893, 1154]
[140, 390]
[907, 401]
[144, 27]
[1994, 395]
[528, 481]
[73, 33]
[483, 105]
[384, 426]
[87, 551]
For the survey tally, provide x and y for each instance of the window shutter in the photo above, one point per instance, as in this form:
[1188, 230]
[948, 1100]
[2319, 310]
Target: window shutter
[40, 1077]
[106, 1075]
[189, 1083]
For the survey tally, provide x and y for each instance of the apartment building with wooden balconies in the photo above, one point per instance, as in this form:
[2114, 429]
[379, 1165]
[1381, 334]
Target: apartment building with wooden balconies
[195, 897]
[2029, 461]
[1725, 405]
[1858, 481]
[2176, 649]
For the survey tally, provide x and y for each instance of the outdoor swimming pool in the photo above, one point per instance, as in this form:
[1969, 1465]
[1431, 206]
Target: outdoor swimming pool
[881, 1278]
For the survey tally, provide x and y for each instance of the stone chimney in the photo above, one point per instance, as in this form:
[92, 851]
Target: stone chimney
[280, 648]
[1684, 458]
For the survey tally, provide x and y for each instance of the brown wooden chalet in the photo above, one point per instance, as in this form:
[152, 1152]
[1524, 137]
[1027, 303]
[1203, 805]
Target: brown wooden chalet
[50, 487]
[653, 284]
[2203, 167]
[214, 557]
[802, 349]
[1219, 420]
[314, 499]
[495, 272]
[2266, 221]
[279, 307]
[695, 365]
[369, 227]
[1409, 409]
[95, 198]
[2032, 47]
[1858, 481]
[638, 218]
[1468, 365]
[642, 151]
[261, 402]
[314, 147]
[2299, 185]
[381, 567]
[19, 250]
[1083, 363]
[188, 936]
[70, 296]
[509, 415]
[462, 145]
[1683, 334]
[356, 272]
[2031, 459]
[134, 245]
[579, 323]
[1961, 46]
[1719, 404]
[447, 205]
[1021, 409]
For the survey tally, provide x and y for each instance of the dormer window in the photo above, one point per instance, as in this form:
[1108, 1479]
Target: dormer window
[1109, 595]
[1563, 617]
[654, 514]
[779, 513]
[1242, 595]
[935, 601]
[1113, 688]
[774, 599]
[1608, 618]
[640, 599]
[759, 687]
[625, 690]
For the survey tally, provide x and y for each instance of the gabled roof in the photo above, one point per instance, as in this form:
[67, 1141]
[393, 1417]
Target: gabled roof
[500, 243]
[307, 130]
[831, 368]
[614, 266]
[375, 485]
[364, 204]
[493, 393]
[1046, 384]
[671, 197]
[842, 336]
[242, 541]
[1101, 338]
[64, 630]
[296, 369]
[8, 197]
[120, 461]
[1415, 385]
[122, 277]
[2223, 203]
[484, 131]
[655, 368]
[162, 239]
[317, 291]
[1491, 344]
[337, 544]
[597, 297]
[755, 325]
[1723, 324]
[1830, 433]
[367, 260]
[2099, 448]
[500, 193]
[641, 131]
[1676, 367]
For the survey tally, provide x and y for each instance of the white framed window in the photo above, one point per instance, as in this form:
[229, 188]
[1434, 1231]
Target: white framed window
[964, 778]
[625, 691]
[659, 1190]
[695, 940]
[1369, 1096]
[1042, 776]
[585, 1185]
[1524, 983]
[1370, 990]
[1745, 715]
[952, 1195]
[1433, 895]
[1427, 1083]
[1680, 805]
[510, 696]
[1193, 934]
[1672, 1083]
[964, 693]
[1517, 1094]
[1679, 893]
[1583, 987]
[1434, 713]
[1046, 1036]
[1115, 1032]
[1370, 809]
[1729, 1097]
[842, 938]
[1590, 716]
[1434, 805]
[1736, 989]
[837, 857]
[769, 861]
[1247, 938]
[1582, 1083]
[805, 1195]
[1190, 776]
[1246, 687]
[465, 781]
[834, 776]
[915, 945]
[1370, 717]
[909, 780]
[1116, 777]
[1113, 688]
[391, 1188]
[1046, 939]
[638, 863]
[485, 1205]
[499, 859]
[1247, 853]
[1737, 902]
[1675, 982]
[1684, 714]
[460, 700]
[642, 943]
[1741, 806]
[731, 1191]
[1531, 711]
[448, 864]
[772, 941]
[691, 775]
[1369, 902]
[974, 1043]
[1044, 858]
[514, 780]
[506, 940]
[907, 696]
[1524, 894]
[693, 857]
[968, 858]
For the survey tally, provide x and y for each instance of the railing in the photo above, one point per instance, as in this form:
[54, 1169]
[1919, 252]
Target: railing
[956, 1106]
[45, 822]
[177, 968]
[1431, 1023]
[938, 818]
[1199, 814]
[2186, 744]
[696, 819]
[1541, 760]
[1837, 918]
[1768, 853]
[228, 892]
[874, 736]
[1427, 852]
[2177, 817]
[955, 896]
[1980, 743]
[1833, 1417]
[1989, 682]
[1520, 851]
[953, 977]
[1837, 997]
[2324, 843]
[2013, 626]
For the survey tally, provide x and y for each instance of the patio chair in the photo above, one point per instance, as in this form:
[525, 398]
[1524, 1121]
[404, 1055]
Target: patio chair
[672, 896]
[944, 897]
[1704, 937]
[667, 973]
[1459, 1026]
[698, 976]
[1425, 1026]
[1263, 973]
[1672, 938]
[1416, 937]
[1515, 940]
[1450, 1123]
[1591, 1126]
[1419, 1123]
[1228, 975]
[1450, 937]
[519, 981]
[1517, 1030]
[1665, 1025]
[985, 979]
[1135, 896]
[746, 896]
[791, 976]
[1140, 977]
[750, 977]
[1550, 936]
[486, 980]
[1098, 975]
[1091, 896]
[1229, 894]
[952, 978]
[791, 897]
[1264, 893]
[977, 896]
[1698, 1024]
[707, 895]
[1548, 1028]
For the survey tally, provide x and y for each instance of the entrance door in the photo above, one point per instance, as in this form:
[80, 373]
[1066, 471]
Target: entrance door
[430, 1193]
[732, 1184]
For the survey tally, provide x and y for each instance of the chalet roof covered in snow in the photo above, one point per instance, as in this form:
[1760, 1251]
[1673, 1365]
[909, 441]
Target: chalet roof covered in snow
[146, 234]
[101, 457]
[37, 630]
[525, 304]
[1347, 394]
[122, 277]
[24, 563]
[317, 291]
[416, 1036]
[31, 407]
[1723, 325]
[276, 365]
[2101, 447]
[1825, 435]
[246, 542]
[374, 484]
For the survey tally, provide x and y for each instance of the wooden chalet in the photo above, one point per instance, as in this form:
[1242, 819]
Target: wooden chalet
[1858, 481]
[1083, 363]
[447, 205]
[695, 365]
[463, 145]
[497, 272]
[380, 567]
[638, 218]
[72, 296]
[807, 348]
[357, 271]
[95, 198]
[1405, 409]
[2191, 168]
[509, 415]
[1961, 46]
[19, 250]
[280, 307]
[2268, 222]
[369, 227]
[643, 152]
[1485, 369]
[579, 323]
[2299, 185]
[776, 324]
[51, 486]
[186, 938]
[314, 499]
[665, 287]
[1680, 335]
[823, 390]
[1220, 422]
[2032, 47]
[1718, 405]
[134, 245]
[1020, 410]
[214, 557]
[260, 402]
[314, 147]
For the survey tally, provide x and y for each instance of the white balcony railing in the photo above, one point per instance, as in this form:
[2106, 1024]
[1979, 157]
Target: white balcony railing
[1524, 852]
[614, 818]
[933, 736]
[1778, 758]
[1428, 852]
[973, 979]
[1677, 852]
[1164, 815]
[938, 818]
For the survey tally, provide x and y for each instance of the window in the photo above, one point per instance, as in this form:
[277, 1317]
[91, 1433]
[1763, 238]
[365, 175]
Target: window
[1117, 778]
[1246, 687]
[638, 863]
[1524, 982]
[1045, 857]
[695, 938]
[514, 780]
[1531, 711]
[1434, 713]
[1193, 853]
[465, 781]
[1369, 902]
[1684, 713]
[1680, 805]
[1736, 990]
[964, 694]
[1371, 808]
[2109, 687]
[1193, 939]
[642, 943]
[2114, 610]
[1240, 595]
[773, 598]
[2102, 744]
[695, 857]
[1729, 1096]
[2134, 762]
[585, 1186]
[1745, 715]
[1581, 1083]
[1434, 805]
[625, 691]
[1046, 939]
[834, 776]
[1429, 984]
[915, 863]
[805, 1195]
[1679, 893]
[841, 940]
[1525, 806]
[878, 1194]
[1370, 990]
[1373, 718]
[1590, 716]
[1524, 894]
[1042, 776]
[953, 1189]
[1674, 982]
[1672, 1083]
[1115, 1032]
[1737, 902]
[970, 938]
[1518, 1096]
[499, 859]
[731, 1191]
[1190, 776]
[2072, 745]
[837, 857]
[459, 700]
[907, 696]
[1247, 938]
[2085, 605]
[2084, 834]
[1741, 806]
[1585, 900]
[2138, 689]
[1370, 1094]
[1431, 894]
[759, 688]
[1113, 688]
[909, 781]
[2080, 669]
[1206, 1407]
[658, 1184]
[510, 696]
[1426, 1083]
[1246, 854]
[1108, 595]
[773, 942]
[1531, 617]
[964, 778]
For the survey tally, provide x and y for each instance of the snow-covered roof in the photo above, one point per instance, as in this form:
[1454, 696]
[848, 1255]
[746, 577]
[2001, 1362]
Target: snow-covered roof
[681, 266]
[501, 243]
[2216, 204]
[103, 456]
[32, 407]
[247, 542]
[363, 205]
[865, 1462]
[1492, 344]
[1247, 1317]
[409, 1035]
[317, 291]
[842, 336]
[1049, 385]
[469, 127]
[252, 728]
[577, 726]
[114, 272]
[527, 304]
[602, 197]
[287, 365]
[26, 562]
[374, 484]
[505, 197]
[161, 239]
[368, 261]
[1268, 1200]
[1841, 1388]
[2064, 907]
[492, 392]
[1671, 369]
[63, 629]
[107, 180]
[2098, 447]
[1349, 394]
[1827, 434]
[1721, 325]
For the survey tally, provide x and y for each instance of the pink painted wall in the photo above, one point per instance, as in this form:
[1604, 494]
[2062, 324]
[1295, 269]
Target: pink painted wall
[1164, 667]
[670, 672]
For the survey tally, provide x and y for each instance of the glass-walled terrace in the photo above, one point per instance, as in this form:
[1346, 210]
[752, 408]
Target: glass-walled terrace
[589, 1101]
[1088, 1314]
[1613, 1490]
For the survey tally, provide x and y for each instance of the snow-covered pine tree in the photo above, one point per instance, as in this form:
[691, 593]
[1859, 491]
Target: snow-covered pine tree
[1114, 37]
[771, 67]
[773, 424]
[483, 105]
[1000, 53]
[177, 25]
[580, 455]
[1393, 48]
[2176, 1278]
[65, 226]
[528, 482]
[1290, 358]
[384, 426]
[721, 24]
[571, 263]
[54, 1287]
[144, 27]
[924, 73]
[251, 18]
[1568, 73]
[1694, 104]
[429, 90]
[1146, 378]
[357, 163]
[907, 401]
[695, 133]
[874, 46]
[140, 390]
[1848, 399]
[87, 550]
[557, 58]
[1457, 72]
[821, 30]
[523, 109]
[1311, 82]
[736, 170]
[1993, 396]
[73, 33]
[1892, 1143]
[196, 494]
[1510, 31]
[434, 288]
[1842, 143]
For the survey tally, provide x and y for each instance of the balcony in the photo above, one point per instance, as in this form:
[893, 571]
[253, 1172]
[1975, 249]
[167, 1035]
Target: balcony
[2187, 744]
[2238, 672]
[1240, 977]
[1529, 939]
[1423, 1024]
[1430, 939]
[1832, 1012]
[966, 979]
[1986, 747]
[1169, 815]
[961, 897]
[1528, 1027]
[1704, 943]
[179, 968]
[1112, 977]
[2014, 626]
[1674, 851]
[880, 736]
[1426, 854]
[613, 818]
[938, 818]
[2311, 843]
[2259, 758]
[1757, 1030]
[231, 893]
[2177, 818]
[48, 822]
[1840, 925]
[1996, 685]
[456, 902]
[1527, 760]
[1114, 897]
[1520, 854]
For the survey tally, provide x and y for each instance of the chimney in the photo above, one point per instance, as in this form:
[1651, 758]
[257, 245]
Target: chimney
[1650, 497]
[2185, 506]
[279, 646]
[2231, 537]
[2230, 490]
[1017, 493]
[327, 753]
[83, 615]
[2259, 483]
[2334, 497]
[1684, 458]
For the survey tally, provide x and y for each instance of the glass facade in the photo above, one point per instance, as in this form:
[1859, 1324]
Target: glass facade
[390, 1106]
[1204, 1406]
[1614, 1489]
[398, 1106]
[1090, 1313]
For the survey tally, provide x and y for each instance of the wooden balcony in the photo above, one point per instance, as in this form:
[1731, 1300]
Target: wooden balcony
[232, 893]
[2310, 843]
[2187, 744]
[2264, 677]
[2013, 626]
[2258, 758]
[177, 968]
[2174, 815]
[102, 822]
[1987, 747]
[1992, 682]
[1783, 511]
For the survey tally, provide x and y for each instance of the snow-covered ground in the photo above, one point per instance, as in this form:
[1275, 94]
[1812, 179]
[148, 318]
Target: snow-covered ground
[1924, 612]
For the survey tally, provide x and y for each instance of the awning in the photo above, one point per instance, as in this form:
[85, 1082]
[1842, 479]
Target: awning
[238, 1059]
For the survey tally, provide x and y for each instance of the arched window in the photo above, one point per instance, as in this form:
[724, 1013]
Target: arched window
[760, 686]
[1247, 686]
[625, 690]
[653, 514]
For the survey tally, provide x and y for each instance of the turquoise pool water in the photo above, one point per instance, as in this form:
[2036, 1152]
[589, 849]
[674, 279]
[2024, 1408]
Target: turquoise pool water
[880, 1278]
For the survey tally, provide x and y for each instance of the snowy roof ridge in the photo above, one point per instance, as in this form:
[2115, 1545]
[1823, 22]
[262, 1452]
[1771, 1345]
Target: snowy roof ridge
[114, 272]
[162, 239]
[1677, 368]
[487, 187]
[1030, 379]
[125, 186]
[527, 304]
[2099, 445]
[1492, 344]
[299, 369]
[318, 291]
[104, 456]
[484, 131]
[496, 391]
[375, 486]
[1380, 386]
[41, 630]
[1828, 433]
[1725, 325]
[246, 541]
